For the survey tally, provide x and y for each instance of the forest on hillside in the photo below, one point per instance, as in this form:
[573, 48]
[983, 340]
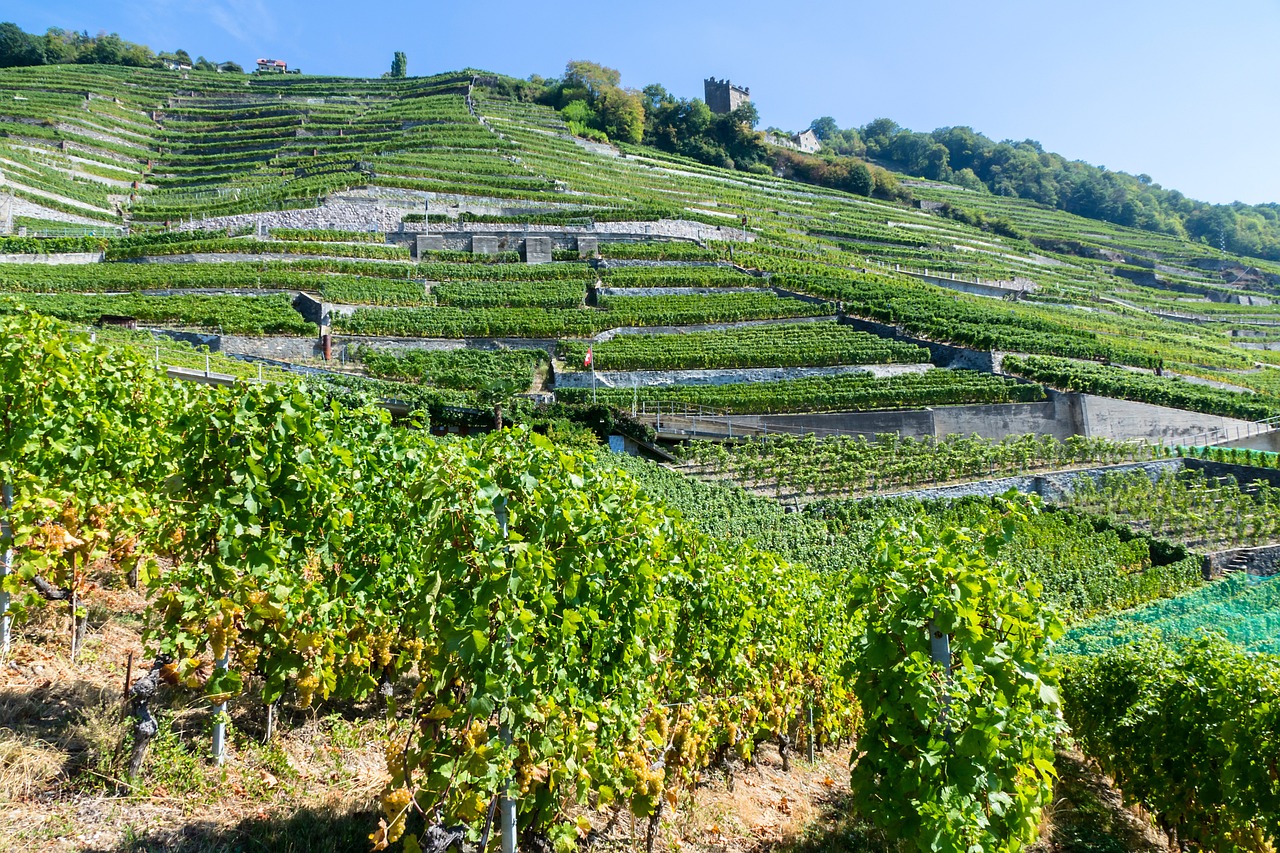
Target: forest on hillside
[591, 99]
[57, 46]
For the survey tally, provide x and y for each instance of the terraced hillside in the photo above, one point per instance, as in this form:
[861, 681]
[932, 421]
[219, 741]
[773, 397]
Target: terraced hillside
[843, 381]
[405, 210]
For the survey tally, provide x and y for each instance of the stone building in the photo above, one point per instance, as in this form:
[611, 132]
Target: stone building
[724, 97]
[805, 141]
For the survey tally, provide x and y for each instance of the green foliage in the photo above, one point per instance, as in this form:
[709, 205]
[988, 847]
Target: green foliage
[462, 369]
[841, 392]
[804, 344]
[841, 173]
[689, 128]
[1194, 507]
[1174, 392]
[1025, 170]
[242, 245]
[50, 245]
[59, 46]
[960, 757]
[1187, 730]
[81, 439]
[510, 294]
[235, 315]
[594, 105]
[847, 465]
[448, 321]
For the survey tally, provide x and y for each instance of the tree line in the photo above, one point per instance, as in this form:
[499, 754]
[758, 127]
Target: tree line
[962, 156]
[594, 105]
[64, 47]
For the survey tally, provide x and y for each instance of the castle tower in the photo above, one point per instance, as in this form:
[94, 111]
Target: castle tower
[724, 97]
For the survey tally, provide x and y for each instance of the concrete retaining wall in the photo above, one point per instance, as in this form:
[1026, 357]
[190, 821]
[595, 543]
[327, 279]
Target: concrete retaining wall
[272, 347]
[1055, 417]
[347, 344]
[991, 421]
[676, 291]
[1123, 419]
[1242, 473]
[1062, 416]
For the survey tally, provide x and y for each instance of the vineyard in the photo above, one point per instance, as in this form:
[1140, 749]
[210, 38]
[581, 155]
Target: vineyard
[841, 393]
[840, 465]
[519, 621]
[805, 344]
[1205, 512]
[511, 613]
[460, 369]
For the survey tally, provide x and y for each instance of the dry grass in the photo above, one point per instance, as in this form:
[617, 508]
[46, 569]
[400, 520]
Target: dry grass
[763, 809]
[62, 726]
[27, 765]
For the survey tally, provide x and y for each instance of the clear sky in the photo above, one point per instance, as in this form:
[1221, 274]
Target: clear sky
[1186, 92]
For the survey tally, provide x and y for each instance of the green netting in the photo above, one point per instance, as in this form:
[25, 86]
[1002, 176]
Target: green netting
[1244, 608]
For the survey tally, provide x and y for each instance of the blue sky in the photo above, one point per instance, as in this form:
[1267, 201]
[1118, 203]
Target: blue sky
[1186, 92]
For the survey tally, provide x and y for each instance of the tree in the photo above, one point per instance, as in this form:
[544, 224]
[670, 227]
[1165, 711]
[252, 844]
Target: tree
[591, 76]
[970, 181]
[879, 134]
[399, 64]
[746, 114]
[497, 394]
[859, 180]
[622, 114]
[655, 96]
[232, 68]
[18, 48]
[824, 128]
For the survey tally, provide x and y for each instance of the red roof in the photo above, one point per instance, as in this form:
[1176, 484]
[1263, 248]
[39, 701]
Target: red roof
[279, 62]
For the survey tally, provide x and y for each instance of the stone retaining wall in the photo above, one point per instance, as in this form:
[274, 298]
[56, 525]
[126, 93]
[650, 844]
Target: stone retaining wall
[1263, 561]
[943, 355]
[701, 327]
[675, 291]
[56, 258]
[727, 376]
[1051, 487]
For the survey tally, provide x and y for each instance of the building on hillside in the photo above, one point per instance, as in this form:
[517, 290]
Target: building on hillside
[272, 66]
[724, 97]
[806, 141]
[176, 65]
